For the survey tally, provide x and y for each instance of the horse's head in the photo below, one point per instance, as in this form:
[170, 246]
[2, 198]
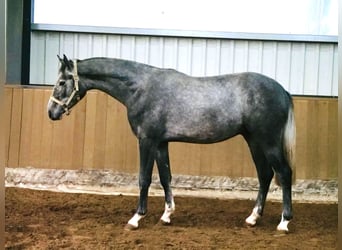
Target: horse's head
[66, 93]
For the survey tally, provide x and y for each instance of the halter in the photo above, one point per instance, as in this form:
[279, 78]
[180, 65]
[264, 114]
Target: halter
[65, 105]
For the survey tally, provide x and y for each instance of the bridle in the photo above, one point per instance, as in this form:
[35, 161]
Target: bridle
[65, 105]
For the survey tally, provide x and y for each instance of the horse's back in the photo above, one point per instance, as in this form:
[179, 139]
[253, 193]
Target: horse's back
[210, 109]
[241, 93]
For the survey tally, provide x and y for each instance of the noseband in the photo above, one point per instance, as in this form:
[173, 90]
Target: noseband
[66, 104]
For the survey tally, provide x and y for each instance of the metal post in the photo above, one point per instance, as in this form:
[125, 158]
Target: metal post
[3, 19]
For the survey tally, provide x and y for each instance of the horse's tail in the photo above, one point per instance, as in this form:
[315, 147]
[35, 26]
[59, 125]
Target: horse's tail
[289, 140]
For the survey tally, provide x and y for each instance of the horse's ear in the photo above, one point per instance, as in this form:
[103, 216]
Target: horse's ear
[67, 62]
[60, 59]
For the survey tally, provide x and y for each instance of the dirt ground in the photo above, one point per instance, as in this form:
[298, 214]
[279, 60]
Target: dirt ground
[50, 220]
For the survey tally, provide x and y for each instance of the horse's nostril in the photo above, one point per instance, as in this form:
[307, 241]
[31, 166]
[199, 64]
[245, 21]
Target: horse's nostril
[50, 114]
[53, 116]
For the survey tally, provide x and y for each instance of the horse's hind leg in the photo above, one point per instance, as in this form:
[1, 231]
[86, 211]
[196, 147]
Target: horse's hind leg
[265, 175]
[163, 163]
[275, 156]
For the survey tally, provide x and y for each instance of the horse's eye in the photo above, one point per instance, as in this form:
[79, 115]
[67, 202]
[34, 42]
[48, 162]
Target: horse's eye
[61, 82]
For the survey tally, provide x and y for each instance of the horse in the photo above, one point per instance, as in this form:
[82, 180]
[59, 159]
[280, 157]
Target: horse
[164, 105]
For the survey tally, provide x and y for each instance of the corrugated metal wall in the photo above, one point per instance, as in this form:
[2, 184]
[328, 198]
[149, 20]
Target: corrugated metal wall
[302, 68]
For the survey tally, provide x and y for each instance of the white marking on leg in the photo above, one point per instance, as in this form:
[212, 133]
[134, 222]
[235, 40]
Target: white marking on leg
[169, 210]
[134, 221]
[283, 224]
[252, 219]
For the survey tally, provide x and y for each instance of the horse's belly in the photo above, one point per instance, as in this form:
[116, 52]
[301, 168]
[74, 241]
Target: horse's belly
[204, 132]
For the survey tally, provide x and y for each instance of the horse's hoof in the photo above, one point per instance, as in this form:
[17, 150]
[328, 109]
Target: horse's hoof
[280, 233]
[282, 230]
[282, 227]
[250, 224]
[165, 223]
[251, 221]
[130, 227]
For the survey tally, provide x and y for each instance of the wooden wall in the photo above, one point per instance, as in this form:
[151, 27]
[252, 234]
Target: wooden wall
[97, 136]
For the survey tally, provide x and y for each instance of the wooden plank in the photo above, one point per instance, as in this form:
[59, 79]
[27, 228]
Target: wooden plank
[26, 128]
[36, 119]
[237, 151]
[8, 96]
[68, 132]
[90, 126]
[79, 115]
[301, 111]
[332, 153]
[219, 158]
[100, 130]
[47, 135]
[312, 127]
[115, 150]
[322, 140]
[206, 166]
[185, 158]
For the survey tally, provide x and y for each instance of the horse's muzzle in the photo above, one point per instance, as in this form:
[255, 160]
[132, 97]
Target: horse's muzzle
[54, 116]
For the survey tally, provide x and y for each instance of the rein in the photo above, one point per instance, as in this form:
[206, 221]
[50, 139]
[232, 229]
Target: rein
[65, 105]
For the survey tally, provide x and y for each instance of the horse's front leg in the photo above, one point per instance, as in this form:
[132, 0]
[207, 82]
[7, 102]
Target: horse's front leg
[147, 155]
[163, 163]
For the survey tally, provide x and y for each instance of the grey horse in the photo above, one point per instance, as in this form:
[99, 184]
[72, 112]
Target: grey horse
[164, 105]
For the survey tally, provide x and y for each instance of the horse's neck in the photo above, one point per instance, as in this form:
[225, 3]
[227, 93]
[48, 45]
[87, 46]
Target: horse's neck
[117, 78]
